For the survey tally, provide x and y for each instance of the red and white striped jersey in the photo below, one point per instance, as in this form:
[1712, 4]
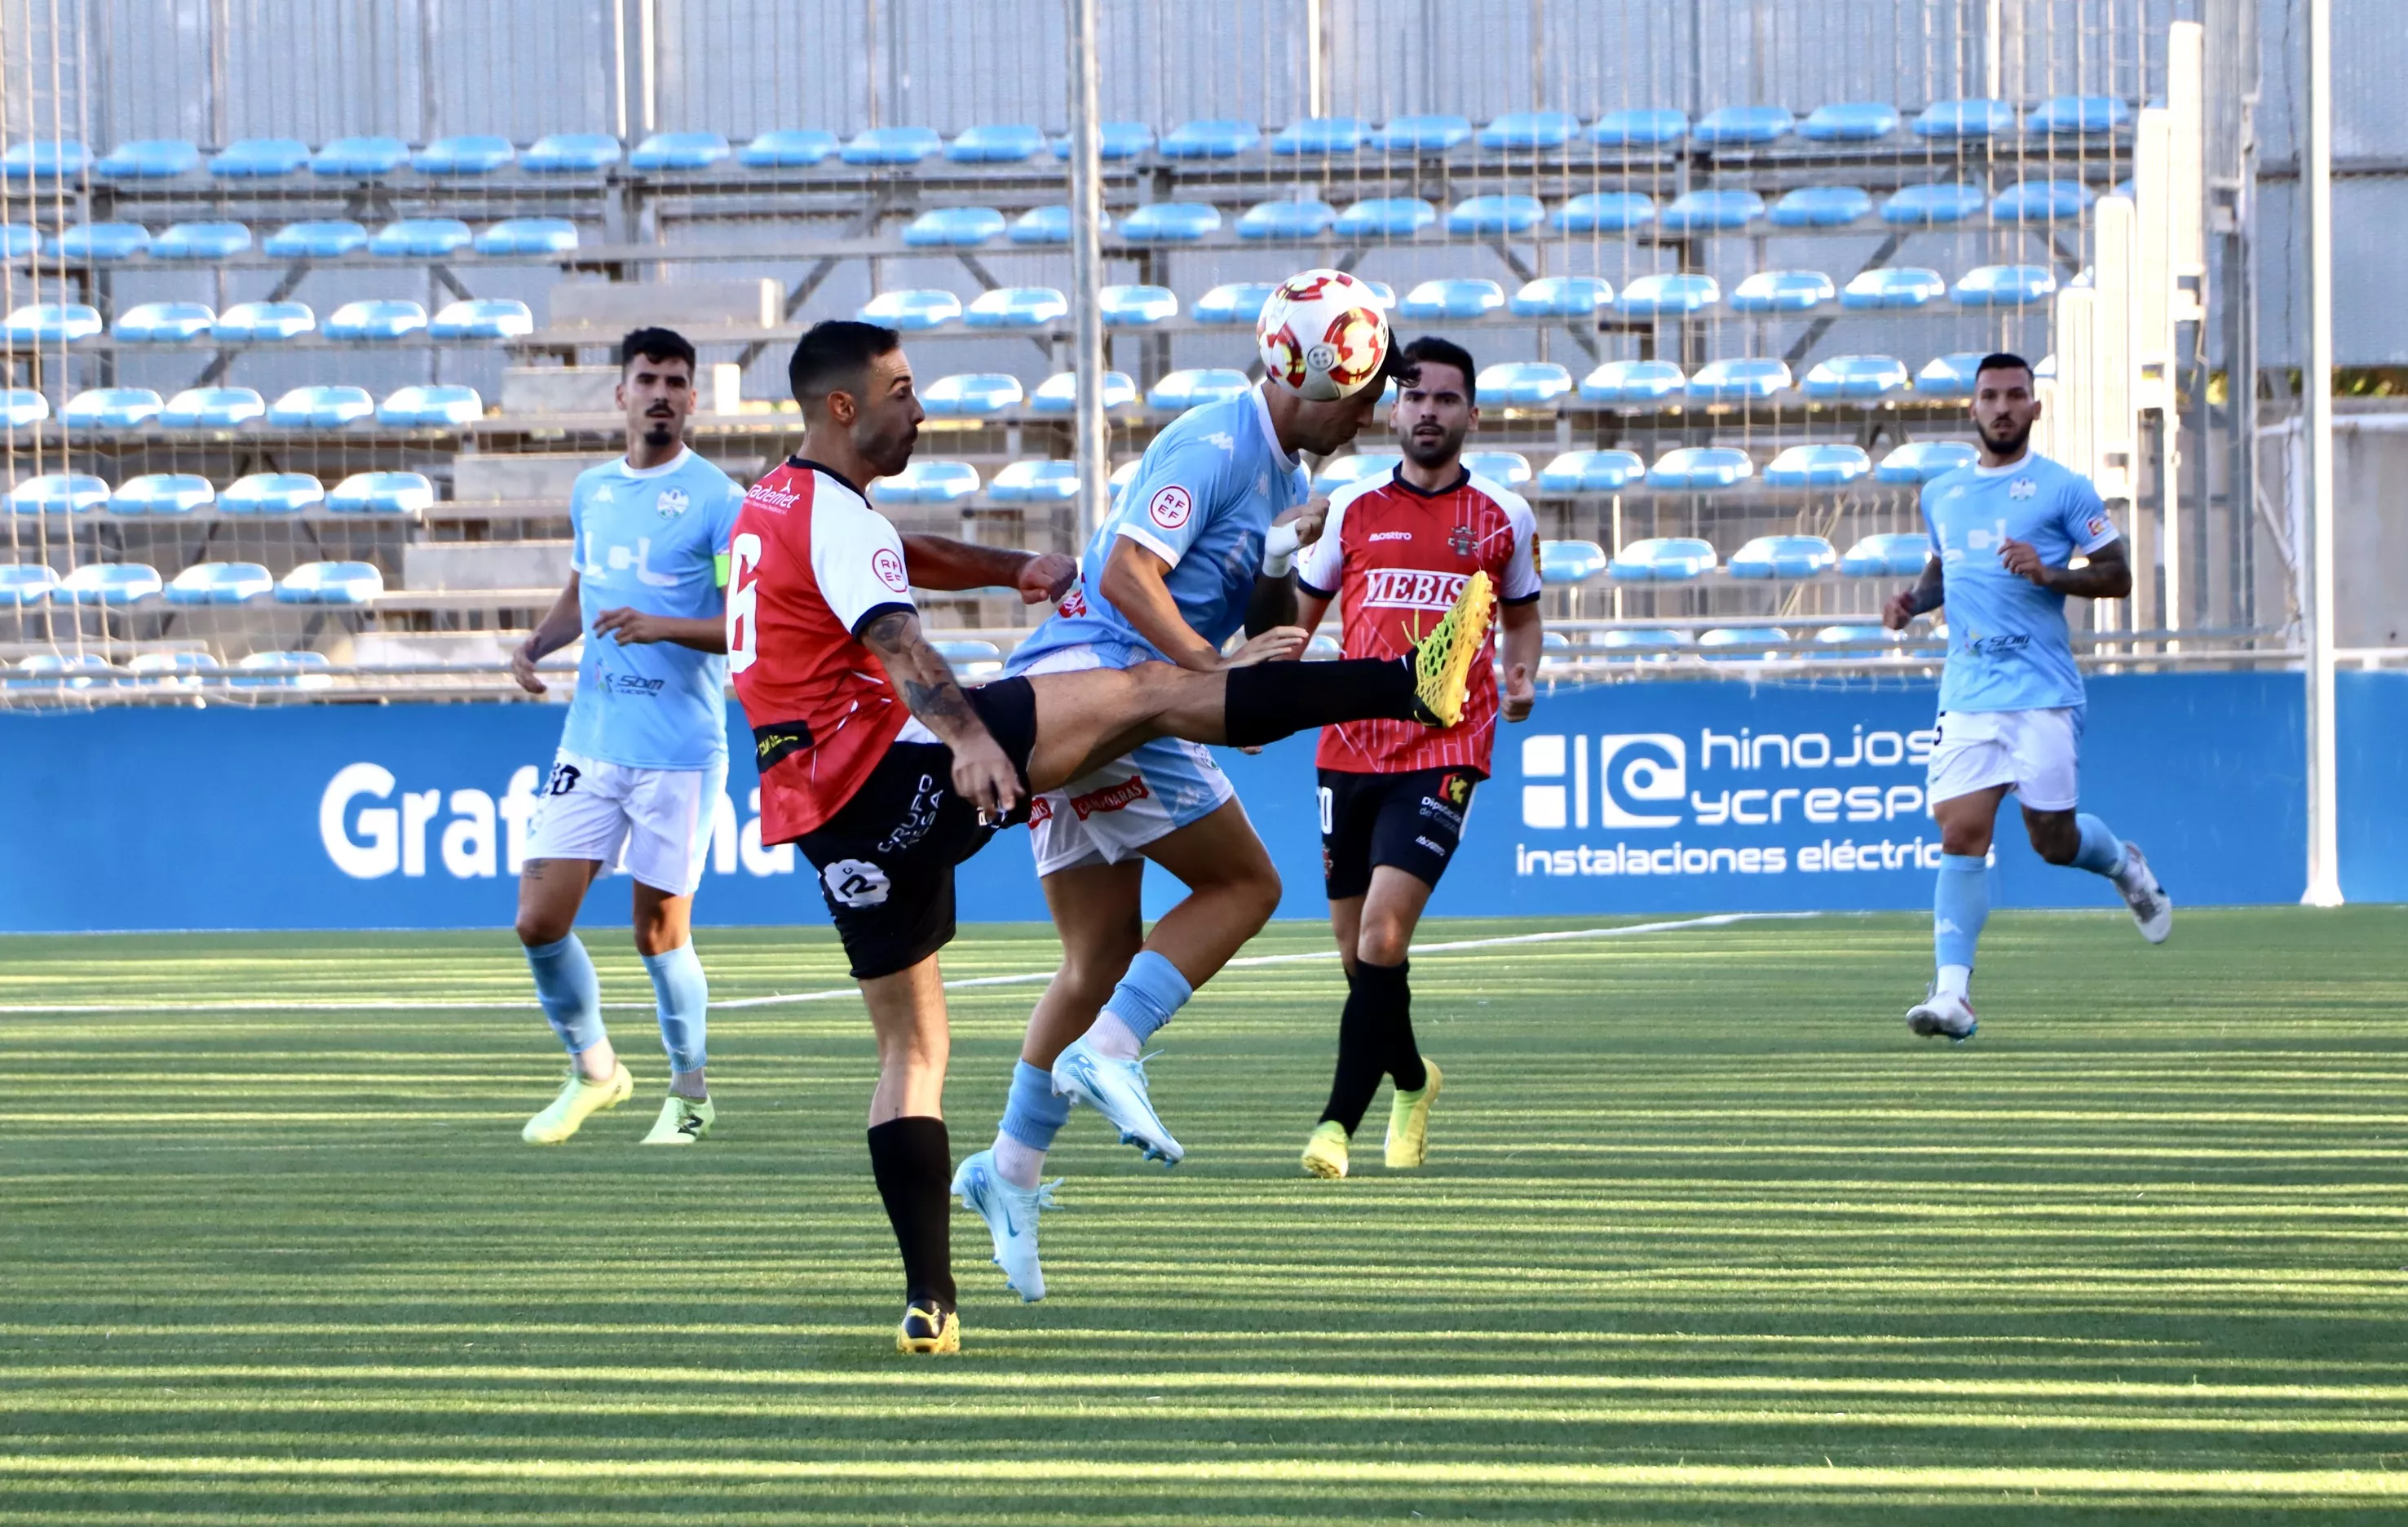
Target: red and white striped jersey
[812, 563]
[1396, 558]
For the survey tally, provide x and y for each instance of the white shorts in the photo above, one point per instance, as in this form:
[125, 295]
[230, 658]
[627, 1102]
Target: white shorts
[1113, 814]
[2037, 753]
[654, 824]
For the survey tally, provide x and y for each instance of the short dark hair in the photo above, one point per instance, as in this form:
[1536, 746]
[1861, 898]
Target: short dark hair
[2005, 360]
[657, 345]
[834, 353]
[1430, 347]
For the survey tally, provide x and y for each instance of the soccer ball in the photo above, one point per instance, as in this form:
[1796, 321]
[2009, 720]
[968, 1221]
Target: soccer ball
[1323, 334]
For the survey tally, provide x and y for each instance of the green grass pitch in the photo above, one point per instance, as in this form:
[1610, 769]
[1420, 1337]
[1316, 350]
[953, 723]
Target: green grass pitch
[1706, 1237]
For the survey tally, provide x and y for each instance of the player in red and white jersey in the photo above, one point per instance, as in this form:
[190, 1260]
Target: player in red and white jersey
[1395, 553]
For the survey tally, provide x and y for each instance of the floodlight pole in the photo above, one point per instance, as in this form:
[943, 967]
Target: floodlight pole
[2323, 827]
[1087, 268]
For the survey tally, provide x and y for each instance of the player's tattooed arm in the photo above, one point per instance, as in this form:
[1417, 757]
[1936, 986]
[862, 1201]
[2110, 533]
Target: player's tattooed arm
[559, 626]
[1919, 599]
[941, 562]
[982, 775]
[2107, 573]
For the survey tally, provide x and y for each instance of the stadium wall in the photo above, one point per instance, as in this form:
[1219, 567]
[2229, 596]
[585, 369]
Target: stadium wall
[1622, 799]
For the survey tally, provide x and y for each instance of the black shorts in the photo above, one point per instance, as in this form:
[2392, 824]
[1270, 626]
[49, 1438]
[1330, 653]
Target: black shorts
[885, 859]
[1412, 821]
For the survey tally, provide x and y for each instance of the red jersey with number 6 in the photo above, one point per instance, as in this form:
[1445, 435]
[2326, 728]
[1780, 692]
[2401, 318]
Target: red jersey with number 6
[1396, 558]
[812, 565]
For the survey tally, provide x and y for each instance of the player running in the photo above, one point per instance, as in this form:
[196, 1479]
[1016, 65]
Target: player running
[887, 775]
[1169, 576]
[1394, 797]
[2011, 700]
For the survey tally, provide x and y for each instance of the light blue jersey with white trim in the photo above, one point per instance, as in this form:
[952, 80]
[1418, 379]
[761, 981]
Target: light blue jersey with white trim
[2008, 647]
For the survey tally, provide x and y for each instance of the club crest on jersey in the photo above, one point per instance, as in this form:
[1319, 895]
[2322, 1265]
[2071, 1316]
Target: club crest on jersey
[671, 502]
[888, 564]
[1170, 506]
[1461, 541]
[1412, 588]
[2022, 487]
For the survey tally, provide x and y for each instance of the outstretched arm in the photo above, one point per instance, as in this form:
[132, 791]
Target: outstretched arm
[982, 775]
[941, 562]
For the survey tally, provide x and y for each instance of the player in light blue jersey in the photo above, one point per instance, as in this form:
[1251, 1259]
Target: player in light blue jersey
[2005, 533]
[644, 757]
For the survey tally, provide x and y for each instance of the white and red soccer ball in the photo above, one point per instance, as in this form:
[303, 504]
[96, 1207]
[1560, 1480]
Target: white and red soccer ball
[1323, 334]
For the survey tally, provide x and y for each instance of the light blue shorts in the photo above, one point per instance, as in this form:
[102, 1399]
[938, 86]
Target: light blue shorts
[1114, 812]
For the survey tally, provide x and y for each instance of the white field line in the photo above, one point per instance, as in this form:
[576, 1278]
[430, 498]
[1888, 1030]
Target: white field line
[1720, 919]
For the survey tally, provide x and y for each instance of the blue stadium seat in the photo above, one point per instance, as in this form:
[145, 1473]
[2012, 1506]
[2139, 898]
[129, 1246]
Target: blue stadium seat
[1016, 308]
[1320, 135]
[1908, 286]
[1701, 212]
[1856, 376]
[679, 151]
[1604, 211]
[2043, 201]
[1046, 225]
[1633, 382]
[360, 157]
[1059, 392]
[1429, 133]
[1507, 468]
[1234, 302]
[1977, 118]
[1001, 144]
[1849, 122]
[22, 408]
[953, 227]
[376, 317]
[1170, 222]
[330, 583]
[1719, 641]
[202, 242]
[148, 159]
[1219, 138]
[282, 670]
[973, 659]
[1668, 292]
[1639, 127]
[1523, 385]
[59, 493]
[420, 238]
[1385, 217]
[529, 236]
[381, 493]
[44, 159]
[1562, 296]
[51, 324]
[259, 159]
[1135, 306]
[162, 493]
[1562, 562]
[482, 318]
[17, 241]
[1662, 559]
[1816, 467]
[446, 406]
[787, 148]
[1858, 636]
[329, 239]
[1650, 645]
[1786, 556]
[2078, 114]
[213, 408]
[1591, 471]
[928, 482]
[170, 669]
[1742, 126]
[1115, 140]
[1345, 471]
[1529, 130]
[1194, 388]
[2003, 286]
[973, 395]
[264, 322]
[1897, 554]
[1738, 381]
[1949, 376]
[1933, 205]
[108, 583]
[1305, 219]
[1476, 216]
[1700, 466]
[111, 408]
[1782, 292]
[22, 582]
[467, 154]
[321, 407]
[165, 323]
[923, 308]
[1457, 298]
[1820, 207]
[1920, 461]
[100, 241]
[272, 493]
[67, 671]
[1036, 483]
[1384, 295]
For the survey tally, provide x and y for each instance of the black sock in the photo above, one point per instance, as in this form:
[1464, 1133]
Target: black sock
[1404, 1050]
[1270, 700]
[1362, 1058]
[912, 1159]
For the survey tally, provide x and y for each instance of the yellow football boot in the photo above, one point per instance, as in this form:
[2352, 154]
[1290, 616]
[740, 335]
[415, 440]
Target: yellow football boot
[1324, 1154]
[1443, 660]
[928, 1327]
[1409, 1122]
[579, 1099]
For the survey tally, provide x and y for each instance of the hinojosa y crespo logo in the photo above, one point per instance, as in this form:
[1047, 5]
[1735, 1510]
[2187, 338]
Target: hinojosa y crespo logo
[1642, 779]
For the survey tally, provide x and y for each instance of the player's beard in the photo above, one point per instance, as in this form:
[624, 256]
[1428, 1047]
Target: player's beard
[1426, 450]
[2010, 446]
[660, 434]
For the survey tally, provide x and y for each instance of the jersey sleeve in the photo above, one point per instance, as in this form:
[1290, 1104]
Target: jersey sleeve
[2084, 519]
[577, 525]
[1521, 563]
[1320, 568]
[1930, 531]
[1165, 508]
[723, 530]
[857, 561]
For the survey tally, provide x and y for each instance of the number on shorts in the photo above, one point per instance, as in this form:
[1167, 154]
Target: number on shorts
[742, 600]
[1329, 810]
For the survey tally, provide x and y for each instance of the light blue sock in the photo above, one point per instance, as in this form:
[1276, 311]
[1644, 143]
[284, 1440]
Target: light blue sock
[2101, 852]
[684, 995]
[1148, 994]
[1034, 1115]
[1960, 904]
[570, 993]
